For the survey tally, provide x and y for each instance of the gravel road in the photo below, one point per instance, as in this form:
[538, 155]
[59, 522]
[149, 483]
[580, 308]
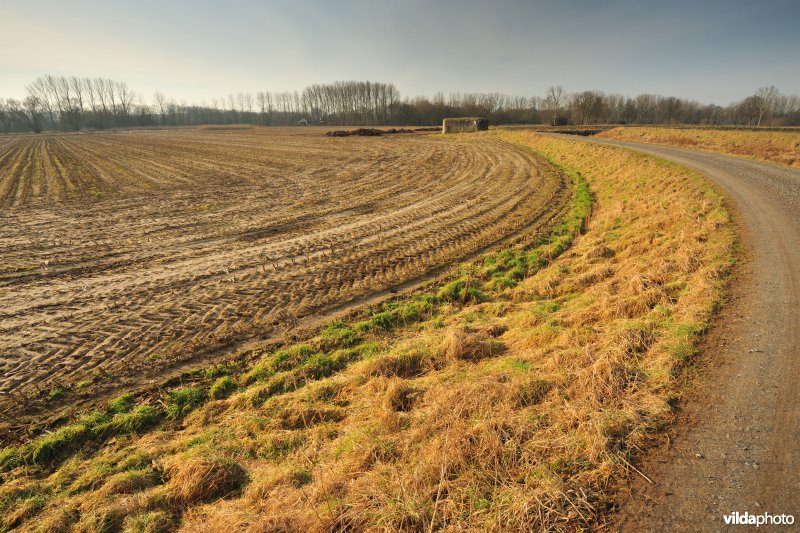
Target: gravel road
[737, 445]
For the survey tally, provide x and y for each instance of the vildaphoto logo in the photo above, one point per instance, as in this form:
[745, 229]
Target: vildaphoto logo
[764, 519]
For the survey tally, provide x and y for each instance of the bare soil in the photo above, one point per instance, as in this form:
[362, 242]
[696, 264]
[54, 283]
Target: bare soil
[125, 254]
[735, 447]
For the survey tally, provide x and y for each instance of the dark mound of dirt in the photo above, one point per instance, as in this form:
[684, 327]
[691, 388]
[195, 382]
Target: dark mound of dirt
[367, 132]
[585, 132]
[360, 132]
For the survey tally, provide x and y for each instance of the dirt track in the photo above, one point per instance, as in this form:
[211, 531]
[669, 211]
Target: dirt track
[737, 444]
[124, 254]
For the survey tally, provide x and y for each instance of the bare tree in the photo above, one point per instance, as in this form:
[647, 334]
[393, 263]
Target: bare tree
[91, 95]
[28, 113]
[261, 102]
[5, 116]
[765, 100]
[125, 97]
[161, 105]
[751, 109]
[646, 106]
[587, 104]
[104, 91]
[39, 89]
[553, 101]
[670, 107]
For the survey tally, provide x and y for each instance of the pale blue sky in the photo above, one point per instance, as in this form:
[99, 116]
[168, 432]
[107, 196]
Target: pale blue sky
[712, 51]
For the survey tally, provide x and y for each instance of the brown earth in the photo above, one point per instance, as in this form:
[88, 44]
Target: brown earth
[126, 254]
[735, 447]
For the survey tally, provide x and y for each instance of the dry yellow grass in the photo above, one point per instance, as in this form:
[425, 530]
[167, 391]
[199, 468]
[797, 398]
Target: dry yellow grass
[775, 146]
[516, 406]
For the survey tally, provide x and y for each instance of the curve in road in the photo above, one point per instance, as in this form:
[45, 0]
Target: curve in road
[738, 448]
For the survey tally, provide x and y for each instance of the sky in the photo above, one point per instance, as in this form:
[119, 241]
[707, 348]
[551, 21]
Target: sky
[195, 51]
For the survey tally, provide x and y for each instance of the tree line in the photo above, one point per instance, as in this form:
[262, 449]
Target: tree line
[71, 103]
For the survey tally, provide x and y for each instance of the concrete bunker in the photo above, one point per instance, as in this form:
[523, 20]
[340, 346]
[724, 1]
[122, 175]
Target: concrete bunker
[465, 125]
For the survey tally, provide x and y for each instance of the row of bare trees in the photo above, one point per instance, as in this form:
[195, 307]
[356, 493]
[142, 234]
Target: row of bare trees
[349, 102]
[766, 106]
[62, 102]
[557, 107]
[72, 103]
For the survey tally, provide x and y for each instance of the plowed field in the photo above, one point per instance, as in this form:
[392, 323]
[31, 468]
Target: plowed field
[122, 254]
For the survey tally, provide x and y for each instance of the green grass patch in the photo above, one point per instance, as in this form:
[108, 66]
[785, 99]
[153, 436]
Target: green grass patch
[57, 444]
[289, 358]
[84, 383]
[337, 335]
[221, 369]
[183, 401]
[462, 292]
[121, 404]
[259, 372]
[59, 393]
[222, 388]
[136, 421]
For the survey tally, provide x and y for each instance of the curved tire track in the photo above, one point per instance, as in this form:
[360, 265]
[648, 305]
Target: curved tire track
[168, 270]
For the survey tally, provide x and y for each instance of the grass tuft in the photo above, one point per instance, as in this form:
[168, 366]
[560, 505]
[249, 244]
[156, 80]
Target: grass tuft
[183, 401]
[138, 420]
[202, 479]
[222, 388]
[461, 290]
[121, 404]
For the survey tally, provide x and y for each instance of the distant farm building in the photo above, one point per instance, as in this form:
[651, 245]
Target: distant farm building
[464, 125]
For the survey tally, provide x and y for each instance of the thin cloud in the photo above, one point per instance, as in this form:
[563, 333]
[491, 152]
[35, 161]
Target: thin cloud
[710, 51]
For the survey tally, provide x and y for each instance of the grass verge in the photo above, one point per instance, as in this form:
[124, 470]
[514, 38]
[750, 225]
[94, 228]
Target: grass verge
[774, 146]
